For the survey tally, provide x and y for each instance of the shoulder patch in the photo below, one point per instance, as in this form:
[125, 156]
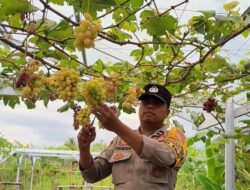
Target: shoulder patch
[176, 134]
[176, 140]
[118, 156]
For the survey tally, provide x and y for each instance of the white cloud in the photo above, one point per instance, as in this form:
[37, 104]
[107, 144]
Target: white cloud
[19, 133]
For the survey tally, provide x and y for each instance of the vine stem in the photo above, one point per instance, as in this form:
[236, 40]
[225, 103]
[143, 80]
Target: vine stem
[213, 125]
[218, 122]
[46, 5]
[28, 53]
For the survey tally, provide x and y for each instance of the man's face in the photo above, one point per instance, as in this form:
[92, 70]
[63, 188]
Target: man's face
[153, 111]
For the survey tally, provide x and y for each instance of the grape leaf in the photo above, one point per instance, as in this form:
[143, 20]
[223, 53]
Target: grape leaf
[160, 25]
[231, 5]
[197, 118]
[178, 125]
[64, 108]
[206, 183]
[208, 13]
[10, 100]
[57, 2]
[44, 95]
[30, 104]
[132, 3]
[11, 8]
[98, 66]
[92, 6]
[214, 64]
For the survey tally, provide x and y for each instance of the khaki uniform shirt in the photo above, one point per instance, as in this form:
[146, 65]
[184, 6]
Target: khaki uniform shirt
[152, 169]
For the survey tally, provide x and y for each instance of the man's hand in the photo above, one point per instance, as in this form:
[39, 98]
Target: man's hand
[86, 136]
[111, 122]
[107, 116]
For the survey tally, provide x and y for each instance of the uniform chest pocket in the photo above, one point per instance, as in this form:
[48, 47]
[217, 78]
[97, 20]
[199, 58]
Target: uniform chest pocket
[155, 174]
[120, 166]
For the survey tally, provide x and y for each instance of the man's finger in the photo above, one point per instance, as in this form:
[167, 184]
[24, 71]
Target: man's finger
[105, 107]
[92, 129]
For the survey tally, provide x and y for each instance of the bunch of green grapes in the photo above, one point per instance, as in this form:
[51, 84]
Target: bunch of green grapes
[51, 81]
[75, 121]
[94, 92]
[31, 79]
[110, 89]
[65, 83]
[114, 77]
[32, 89]
[86, 33]
[51, 86]
[82, 117]
[131, 98]
[28, 73]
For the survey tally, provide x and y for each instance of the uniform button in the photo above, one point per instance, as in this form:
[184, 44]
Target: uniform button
[156, 172]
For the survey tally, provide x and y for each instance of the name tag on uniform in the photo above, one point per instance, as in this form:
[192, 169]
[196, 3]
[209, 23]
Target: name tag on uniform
[122, 145]
[122, 148]
[122, 151]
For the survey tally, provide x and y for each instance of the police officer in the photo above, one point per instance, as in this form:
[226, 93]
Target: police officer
[148, 158]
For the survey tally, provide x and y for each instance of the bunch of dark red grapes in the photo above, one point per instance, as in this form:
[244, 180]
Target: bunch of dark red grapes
[209, 105]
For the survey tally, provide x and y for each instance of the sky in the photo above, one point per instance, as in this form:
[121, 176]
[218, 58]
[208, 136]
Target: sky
[43, 127]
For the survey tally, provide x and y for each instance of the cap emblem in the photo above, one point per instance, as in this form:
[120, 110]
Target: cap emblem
[153, 89]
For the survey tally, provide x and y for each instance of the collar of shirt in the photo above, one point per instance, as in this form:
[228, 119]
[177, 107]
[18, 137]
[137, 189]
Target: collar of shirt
[160, 132]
